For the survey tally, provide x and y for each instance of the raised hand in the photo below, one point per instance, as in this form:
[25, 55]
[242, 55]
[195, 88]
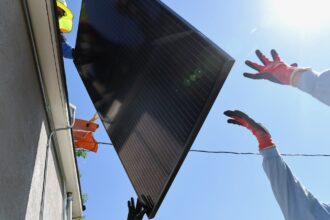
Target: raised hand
[135, 212]
[274, 70]
[261, 133]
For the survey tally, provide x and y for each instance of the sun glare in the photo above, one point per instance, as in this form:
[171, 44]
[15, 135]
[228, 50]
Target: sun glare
[303, 13]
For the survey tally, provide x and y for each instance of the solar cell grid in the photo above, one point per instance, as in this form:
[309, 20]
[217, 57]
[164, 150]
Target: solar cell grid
[152, 78]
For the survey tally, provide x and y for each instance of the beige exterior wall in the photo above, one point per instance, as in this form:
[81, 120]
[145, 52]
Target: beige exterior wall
[23, 127]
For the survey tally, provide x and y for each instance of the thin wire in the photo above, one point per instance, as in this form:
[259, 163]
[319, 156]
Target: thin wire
[258, 154]
[224, 152]
[244, 153]
[105, 143]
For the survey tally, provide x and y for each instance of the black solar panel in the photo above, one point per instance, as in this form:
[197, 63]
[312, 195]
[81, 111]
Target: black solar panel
[152, 78]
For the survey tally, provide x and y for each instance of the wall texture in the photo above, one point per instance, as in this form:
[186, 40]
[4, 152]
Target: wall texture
[54, 204]
[23, 132]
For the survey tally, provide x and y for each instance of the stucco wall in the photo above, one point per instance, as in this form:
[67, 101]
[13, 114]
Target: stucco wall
[23, 132]
[53, 208]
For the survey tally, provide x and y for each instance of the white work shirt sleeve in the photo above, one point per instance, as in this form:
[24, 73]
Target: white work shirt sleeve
[316, 85]
[295, 201]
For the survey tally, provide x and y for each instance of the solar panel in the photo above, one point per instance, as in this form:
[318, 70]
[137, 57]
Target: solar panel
[153, 79]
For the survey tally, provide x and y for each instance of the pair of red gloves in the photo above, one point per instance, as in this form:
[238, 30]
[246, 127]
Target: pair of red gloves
[276, 71]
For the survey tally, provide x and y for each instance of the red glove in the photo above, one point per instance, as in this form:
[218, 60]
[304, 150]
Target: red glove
[262, 135]
[276, 71]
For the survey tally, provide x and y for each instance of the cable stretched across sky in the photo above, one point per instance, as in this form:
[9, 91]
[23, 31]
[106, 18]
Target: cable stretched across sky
[258, 154]
[242, 153]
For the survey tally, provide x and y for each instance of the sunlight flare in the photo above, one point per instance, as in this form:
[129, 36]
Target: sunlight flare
[303, 13]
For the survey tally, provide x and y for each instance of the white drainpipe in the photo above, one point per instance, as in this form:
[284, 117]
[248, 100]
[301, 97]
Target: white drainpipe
[69, 205]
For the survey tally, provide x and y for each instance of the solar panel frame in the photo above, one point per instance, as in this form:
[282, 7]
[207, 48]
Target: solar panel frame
[227, 63]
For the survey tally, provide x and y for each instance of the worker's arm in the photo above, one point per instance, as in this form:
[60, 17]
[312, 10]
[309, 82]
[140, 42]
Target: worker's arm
[66, 48]
[295, 201]
[316, 85]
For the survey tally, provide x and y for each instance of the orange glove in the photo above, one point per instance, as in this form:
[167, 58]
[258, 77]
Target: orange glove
[262, 135]
[276, 71]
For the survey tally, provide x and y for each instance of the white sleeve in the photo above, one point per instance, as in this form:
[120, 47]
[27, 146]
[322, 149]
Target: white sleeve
[316, 85]
[295, 201]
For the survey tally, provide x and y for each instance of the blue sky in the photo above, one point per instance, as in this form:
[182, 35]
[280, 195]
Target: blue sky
[227, 186]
